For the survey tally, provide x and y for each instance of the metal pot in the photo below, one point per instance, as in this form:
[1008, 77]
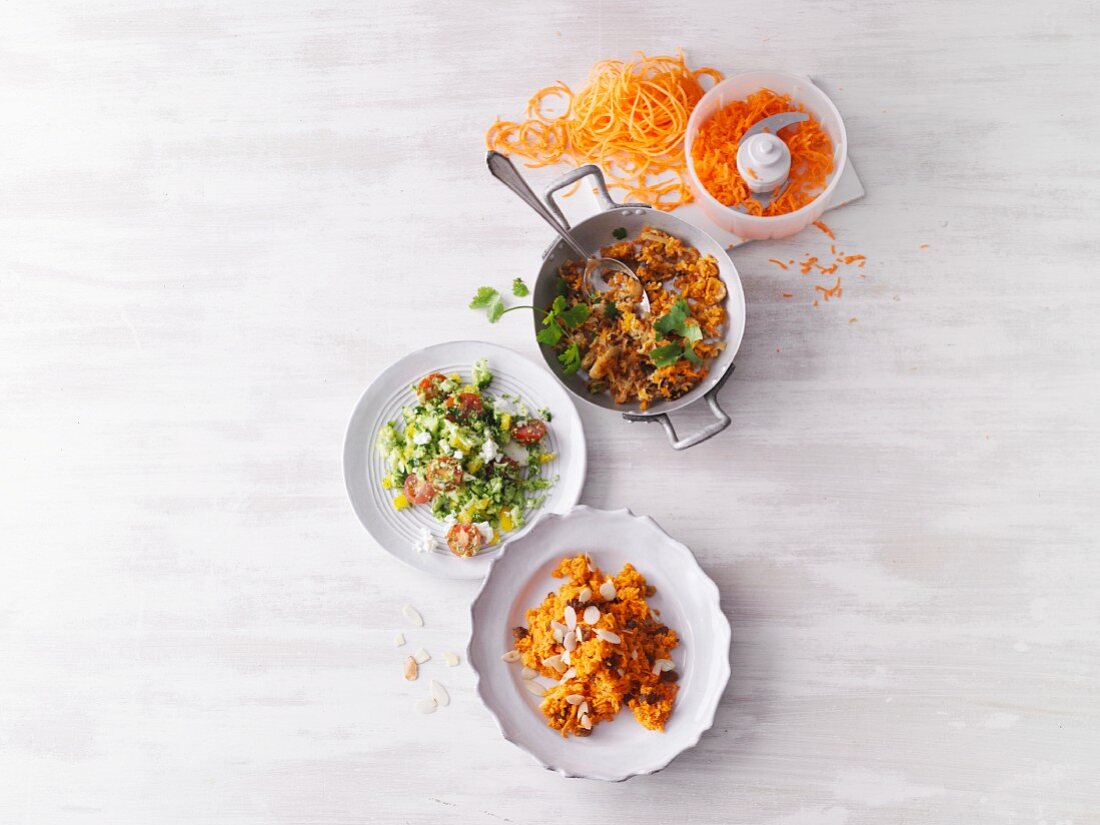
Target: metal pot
[595, 232]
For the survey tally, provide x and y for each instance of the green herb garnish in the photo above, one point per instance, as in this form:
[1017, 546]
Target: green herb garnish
[570, 358]
[519, 288]
[678, 321]
[619, 233]
[488, 299]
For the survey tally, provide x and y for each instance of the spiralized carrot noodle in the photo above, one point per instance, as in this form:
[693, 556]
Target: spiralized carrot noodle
[714, 154]
[629, 118]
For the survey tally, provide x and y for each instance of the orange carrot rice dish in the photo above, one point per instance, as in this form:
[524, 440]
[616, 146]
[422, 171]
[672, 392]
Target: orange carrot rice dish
[603, 647]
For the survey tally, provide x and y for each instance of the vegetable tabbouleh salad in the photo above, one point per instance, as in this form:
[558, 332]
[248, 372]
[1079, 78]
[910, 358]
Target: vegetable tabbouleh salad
[471, 457]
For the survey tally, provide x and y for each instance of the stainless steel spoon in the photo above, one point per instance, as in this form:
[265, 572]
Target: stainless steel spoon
[501, 168]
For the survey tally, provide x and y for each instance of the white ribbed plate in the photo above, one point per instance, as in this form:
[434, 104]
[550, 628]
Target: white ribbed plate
[687, 599]
[389, 392]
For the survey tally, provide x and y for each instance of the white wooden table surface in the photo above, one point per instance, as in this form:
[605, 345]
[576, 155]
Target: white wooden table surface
[218, 221]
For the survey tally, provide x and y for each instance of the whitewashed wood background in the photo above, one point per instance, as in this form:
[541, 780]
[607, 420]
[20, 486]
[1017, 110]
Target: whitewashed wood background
[218, 221]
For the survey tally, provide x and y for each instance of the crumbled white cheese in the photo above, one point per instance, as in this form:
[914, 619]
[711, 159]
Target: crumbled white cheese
[458, 455]
[421, 438]
[517, 453]
[485, 529]
[425, 542]
[489, 450]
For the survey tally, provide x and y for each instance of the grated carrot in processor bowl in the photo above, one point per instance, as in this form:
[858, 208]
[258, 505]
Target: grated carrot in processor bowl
[714, 154]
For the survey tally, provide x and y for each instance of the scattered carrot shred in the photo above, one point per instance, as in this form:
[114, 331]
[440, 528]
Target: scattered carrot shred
[825, 228]
[830, 292]
[630, 118]
[788, 294]
[714, 154]
[780, 264]
[925, 245]
[852, 320]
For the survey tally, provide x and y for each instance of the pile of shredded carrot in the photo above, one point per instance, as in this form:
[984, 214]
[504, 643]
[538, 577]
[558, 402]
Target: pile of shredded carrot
[629, 118]
[714, 154]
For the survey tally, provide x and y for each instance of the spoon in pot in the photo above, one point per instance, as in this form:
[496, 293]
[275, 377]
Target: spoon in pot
[501, 168]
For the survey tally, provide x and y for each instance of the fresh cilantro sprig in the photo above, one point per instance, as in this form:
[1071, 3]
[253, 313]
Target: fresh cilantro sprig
[678, 321]
[489, 300]
[556, 322]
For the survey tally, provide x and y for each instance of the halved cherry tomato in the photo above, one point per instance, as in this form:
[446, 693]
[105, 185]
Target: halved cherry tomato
[428, 388]
[444, 473]
[464, 540]
[530, 433]
[464, 405]
[417, 490]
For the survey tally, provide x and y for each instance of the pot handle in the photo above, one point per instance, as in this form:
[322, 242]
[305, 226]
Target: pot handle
[602, 195]
[709, 431]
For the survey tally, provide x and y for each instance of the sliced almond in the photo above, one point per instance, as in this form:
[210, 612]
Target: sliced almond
[574, 698]
[585, 595]
[554, 663]
[411, 669]
[661, 665]
[451, 659]
[570, 640]
[559, 637]
[426, 705]
[510, 656]
[569, 674]
[439, 694]
[421, 656]
[413, 615]
[566, 656]
[591, 614]
[583, 709]
[580, 634]
[535, 688]
[586, 723]
[556, 625]
[570, 617]
[608, 591]
[399, 640]
[608, 636]
[529, 673]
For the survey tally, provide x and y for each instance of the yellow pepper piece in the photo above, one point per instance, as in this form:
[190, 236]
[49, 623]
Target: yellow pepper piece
[454, 376]
[475, 464]
[471, 388]
[409, 431]
[408, 451]
[546, 458]
[400, 502]
[506, 522]
[506, 422]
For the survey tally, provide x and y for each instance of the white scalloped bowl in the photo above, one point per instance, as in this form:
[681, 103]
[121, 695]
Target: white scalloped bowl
[687, 599]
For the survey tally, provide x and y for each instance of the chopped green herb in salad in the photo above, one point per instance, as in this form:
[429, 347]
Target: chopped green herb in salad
[471, 457]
